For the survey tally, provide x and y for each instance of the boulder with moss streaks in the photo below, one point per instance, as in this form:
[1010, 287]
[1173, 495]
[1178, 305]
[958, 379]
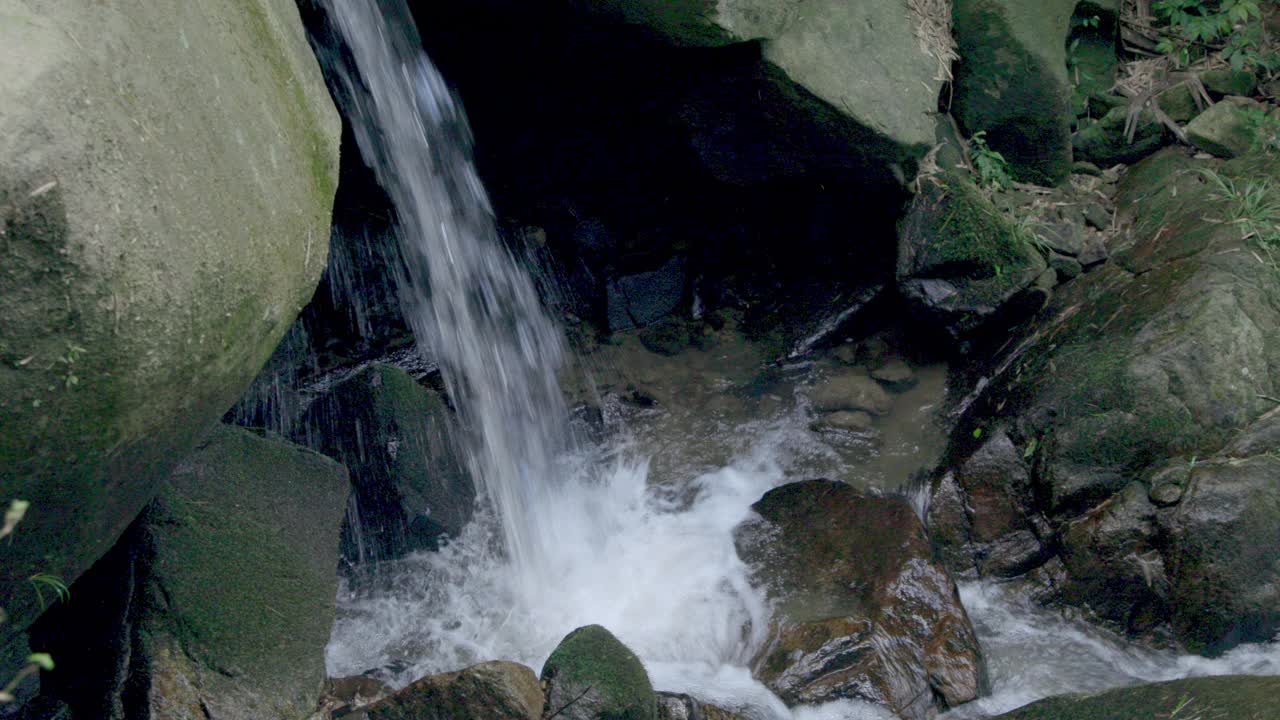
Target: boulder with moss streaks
[167, 172]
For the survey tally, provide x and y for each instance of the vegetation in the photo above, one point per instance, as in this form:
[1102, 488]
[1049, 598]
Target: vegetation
[990, 167]
[1232, 28]
[1253, 205]
[37, 661]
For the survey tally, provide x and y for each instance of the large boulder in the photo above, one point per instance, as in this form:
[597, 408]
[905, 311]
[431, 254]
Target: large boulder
[488, 691]
[1011, 82]
[862, 610]
[881, 64]
[1135, 453]
[591, 675]
[218, 602]
[962, 263]
[1238, 698]
[167, 171]
[411, 488]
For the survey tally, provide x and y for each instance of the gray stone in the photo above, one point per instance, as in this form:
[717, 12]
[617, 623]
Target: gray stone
[643, 298]
[1224, 129]
[864, 59]
[848, 421]
[896, 375]
[167, 172]
[1067, 268]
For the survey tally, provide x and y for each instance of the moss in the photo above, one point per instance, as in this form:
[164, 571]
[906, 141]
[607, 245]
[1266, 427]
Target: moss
[591, 657]
[1215, 698]
[245, 540]
[961, 228]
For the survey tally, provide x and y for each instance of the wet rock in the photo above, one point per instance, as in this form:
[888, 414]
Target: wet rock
[683, 707]
[847, 421]
[850, 391]
[862, 610]
[978, 513]
[156, 249]
[961, 262]
[896, 375]
[643, 298]
[1113, 565]
[591, 675]
[411, 489]
[1062, 236]
[344, 697]
[1238, 697]
[488, 691]
[1225, 129]
[218, 601]
[1111, 392]
[1012, 82]
[1222, 540]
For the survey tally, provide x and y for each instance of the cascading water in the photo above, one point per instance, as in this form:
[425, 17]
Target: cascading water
[467, 300]
[577, 535]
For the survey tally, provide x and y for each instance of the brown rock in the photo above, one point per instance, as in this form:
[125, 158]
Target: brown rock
[488, 691]
[863, 611]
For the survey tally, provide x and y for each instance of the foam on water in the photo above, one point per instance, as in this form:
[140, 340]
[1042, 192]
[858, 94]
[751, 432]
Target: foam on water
[1033, 653]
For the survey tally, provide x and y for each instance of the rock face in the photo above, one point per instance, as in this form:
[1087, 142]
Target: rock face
[1011, 81]
[1238, 698]
[1128, 450]
[869, 60]
[863, 612]
[591, 675]
[167, 171]
[411, 488]
[489, 691]
[218, 602]
[961, 262]
[683, 707]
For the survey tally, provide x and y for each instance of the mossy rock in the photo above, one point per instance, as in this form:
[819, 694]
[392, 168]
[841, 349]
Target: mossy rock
[1103, 142]
[1211, 698]
[1112, 383]
[960, 259]
[167, 173]
[1011, 82]
[591, 675]
[1226, 129]
[396, 437]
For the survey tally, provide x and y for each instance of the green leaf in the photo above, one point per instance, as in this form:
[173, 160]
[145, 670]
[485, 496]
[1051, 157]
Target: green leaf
[977, 433]
[42, 660]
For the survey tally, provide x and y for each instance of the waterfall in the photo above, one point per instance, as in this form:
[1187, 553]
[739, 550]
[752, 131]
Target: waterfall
[467, 300]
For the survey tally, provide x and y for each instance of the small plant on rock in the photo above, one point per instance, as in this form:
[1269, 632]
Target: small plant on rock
[989, 165]
[37, 661]
[1254, 206]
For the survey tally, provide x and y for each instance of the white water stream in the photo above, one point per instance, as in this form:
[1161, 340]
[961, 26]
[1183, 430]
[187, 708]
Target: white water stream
[573, 536]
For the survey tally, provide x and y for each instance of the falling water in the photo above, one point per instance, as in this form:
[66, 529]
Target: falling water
[466, 298]
[583, 535]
